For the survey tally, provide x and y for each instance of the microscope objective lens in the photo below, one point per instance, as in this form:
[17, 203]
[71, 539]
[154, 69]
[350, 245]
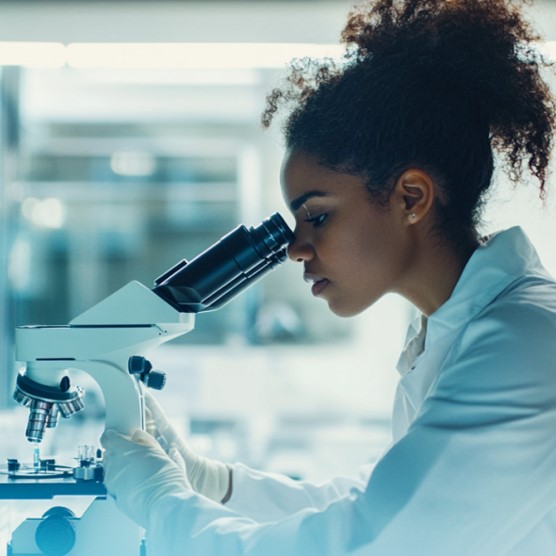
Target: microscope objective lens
[39, 412]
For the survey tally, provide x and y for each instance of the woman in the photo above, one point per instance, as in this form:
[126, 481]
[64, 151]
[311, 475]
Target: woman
[390, 155]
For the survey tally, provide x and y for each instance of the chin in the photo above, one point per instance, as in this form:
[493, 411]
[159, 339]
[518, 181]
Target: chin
[345, 312]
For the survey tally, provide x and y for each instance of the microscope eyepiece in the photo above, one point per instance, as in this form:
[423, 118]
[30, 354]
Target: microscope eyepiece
[272, 236]
[226, 268]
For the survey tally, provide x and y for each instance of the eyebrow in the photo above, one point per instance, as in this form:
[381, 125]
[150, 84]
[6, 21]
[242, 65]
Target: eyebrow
[296, 203]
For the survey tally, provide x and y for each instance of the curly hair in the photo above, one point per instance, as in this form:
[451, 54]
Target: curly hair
[434, 84]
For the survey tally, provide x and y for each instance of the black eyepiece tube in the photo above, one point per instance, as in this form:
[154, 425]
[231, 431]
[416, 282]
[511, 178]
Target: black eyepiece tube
[226, 268]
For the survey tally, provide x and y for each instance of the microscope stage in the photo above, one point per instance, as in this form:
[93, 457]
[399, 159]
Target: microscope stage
[26, 484]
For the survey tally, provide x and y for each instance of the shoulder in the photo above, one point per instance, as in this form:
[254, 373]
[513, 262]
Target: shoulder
[523, 314]
[510, 346]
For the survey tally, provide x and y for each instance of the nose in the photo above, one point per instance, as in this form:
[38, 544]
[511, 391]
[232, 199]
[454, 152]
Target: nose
[300, 249]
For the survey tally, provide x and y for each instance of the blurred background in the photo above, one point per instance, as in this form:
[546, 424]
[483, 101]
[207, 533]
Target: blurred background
[130, 139]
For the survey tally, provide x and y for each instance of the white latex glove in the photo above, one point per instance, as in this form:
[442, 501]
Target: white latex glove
[137, 473]
[208, 477]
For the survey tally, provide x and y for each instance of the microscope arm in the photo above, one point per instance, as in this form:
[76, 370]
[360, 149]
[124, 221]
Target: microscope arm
[99, 342]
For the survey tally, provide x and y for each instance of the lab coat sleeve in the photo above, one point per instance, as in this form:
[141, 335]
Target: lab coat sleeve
[474, 474]
[278, 496]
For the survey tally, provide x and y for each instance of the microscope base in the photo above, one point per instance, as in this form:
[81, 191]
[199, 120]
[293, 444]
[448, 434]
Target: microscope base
[102, 529]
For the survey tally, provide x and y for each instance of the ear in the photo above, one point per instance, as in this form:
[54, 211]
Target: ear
[414, 193]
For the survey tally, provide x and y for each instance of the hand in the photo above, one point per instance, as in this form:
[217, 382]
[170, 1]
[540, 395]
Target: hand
[208, 477]
[137, 473]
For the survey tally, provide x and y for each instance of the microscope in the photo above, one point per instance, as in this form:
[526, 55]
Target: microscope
[110, 342]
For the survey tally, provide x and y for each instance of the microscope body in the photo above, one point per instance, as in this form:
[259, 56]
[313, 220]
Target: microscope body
[109, 342]
[106, 340]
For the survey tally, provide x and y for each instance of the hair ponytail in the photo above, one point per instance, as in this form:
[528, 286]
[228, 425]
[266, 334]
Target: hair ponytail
[437, 84]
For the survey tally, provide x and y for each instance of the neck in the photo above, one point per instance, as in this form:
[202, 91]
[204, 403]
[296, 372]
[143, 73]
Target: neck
[436, 269]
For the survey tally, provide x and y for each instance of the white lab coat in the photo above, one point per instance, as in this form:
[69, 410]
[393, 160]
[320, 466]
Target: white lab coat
[472, 467]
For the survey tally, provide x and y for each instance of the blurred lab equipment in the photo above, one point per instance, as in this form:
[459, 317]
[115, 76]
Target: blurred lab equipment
[109, 342]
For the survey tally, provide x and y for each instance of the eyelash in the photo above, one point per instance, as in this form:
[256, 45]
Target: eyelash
[317, 221]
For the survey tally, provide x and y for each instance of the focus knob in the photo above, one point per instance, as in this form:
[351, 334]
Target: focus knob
[138, 365]
[156, 380]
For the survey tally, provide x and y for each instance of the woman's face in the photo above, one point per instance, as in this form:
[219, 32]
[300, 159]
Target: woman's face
[353, 251]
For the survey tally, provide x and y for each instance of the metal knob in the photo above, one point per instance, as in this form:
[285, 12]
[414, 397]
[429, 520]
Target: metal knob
[138, 365]
[155, 380]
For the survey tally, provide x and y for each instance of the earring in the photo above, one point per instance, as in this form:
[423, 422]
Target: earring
[412, 216]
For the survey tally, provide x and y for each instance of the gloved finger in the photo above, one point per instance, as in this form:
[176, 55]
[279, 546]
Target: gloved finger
[176, 457]
[150, 423]
[145, 439]
[152, 428]
[156, 411]
[157, 423]
[138, 472]
[164, 443]
[113, 440]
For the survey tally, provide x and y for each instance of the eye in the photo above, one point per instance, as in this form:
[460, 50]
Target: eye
[317, 221]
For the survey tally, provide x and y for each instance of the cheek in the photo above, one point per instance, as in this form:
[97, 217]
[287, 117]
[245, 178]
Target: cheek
[372, 261]
[363, 247]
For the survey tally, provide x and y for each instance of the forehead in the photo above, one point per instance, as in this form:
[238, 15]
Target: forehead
[299, 166]
[299, 177]
[302, 177]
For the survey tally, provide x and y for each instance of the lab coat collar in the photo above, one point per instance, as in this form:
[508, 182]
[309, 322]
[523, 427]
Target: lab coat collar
[498, 261]
[414, 344]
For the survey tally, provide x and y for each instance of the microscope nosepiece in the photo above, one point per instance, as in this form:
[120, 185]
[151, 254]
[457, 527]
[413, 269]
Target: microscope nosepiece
[21, 398]
[46, 404]
[71, 406]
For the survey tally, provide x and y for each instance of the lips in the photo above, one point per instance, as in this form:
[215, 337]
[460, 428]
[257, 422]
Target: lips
[319, 282]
